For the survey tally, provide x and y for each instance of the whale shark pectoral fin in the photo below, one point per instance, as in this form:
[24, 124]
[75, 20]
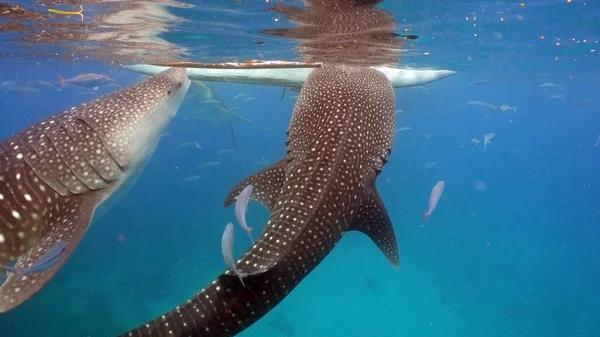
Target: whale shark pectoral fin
[373, 220]
[69, 224]
[267, 184]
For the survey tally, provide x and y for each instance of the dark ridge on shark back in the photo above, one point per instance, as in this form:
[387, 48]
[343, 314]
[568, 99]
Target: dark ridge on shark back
[339, 139]
[55, 173]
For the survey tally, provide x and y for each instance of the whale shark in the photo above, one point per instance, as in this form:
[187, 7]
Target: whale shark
[338, 141]
[55, 173]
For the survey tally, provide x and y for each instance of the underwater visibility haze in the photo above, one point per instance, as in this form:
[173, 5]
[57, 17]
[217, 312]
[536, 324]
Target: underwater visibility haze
[299, 168]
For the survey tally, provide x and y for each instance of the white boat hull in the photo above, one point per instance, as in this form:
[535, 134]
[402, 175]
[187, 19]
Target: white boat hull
[283, 73]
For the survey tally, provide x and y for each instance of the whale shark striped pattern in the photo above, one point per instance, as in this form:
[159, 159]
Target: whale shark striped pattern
[339, 139]
[55, 173]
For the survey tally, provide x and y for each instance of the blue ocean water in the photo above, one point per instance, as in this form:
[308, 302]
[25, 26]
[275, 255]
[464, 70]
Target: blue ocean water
[513, 248]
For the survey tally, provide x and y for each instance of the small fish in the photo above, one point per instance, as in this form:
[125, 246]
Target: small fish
[549, 85]
[487, 138]
[211, 101]
[22, 90]
[428, 165]
[403, 128]
[49, 259]
[475, 141]
[583, 102]
[598, 141]
[553, 97]
[240, 95]
[475, 103]
[241, 206]
[209, 164]
[399, 111]
[434, 198]
[480, 82]
[194, 145]
[225, 151]
[261, 163]
[41, 84]
[191, 179]
[248, 99]
[227, 250]
[506, 107]
[89, 80]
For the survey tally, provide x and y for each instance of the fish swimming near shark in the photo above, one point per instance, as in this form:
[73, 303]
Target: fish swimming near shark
[90, 80]
[55, 173]
[339, 139]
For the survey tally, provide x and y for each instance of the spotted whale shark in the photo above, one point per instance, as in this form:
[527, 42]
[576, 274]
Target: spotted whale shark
[55, 173]
[338, 141]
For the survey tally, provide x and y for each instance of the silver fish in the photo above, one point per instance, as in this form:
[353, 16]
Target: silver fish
[241, 206]
[191, 179]
[209, 164]
[434, 198]
[225, 151]
[240, 95]
[211, 101]
[55, 173]
[227, 250]
[549, 85]
[195, 145]
[89, 80]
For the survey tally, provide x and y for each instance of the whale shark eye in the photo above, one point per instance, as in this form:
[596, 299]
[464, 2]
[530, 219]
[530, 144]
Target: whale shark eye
[169, 92]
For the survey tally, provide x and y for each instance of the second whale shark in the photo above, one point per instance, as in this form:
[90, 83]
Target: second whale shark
[339, 139]
[55, 173]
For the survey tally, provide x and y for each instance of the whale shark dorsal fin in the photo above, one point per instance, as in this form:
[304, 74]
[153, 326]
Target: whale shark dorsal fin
[267, 184]
[373, 220]
[69, 222]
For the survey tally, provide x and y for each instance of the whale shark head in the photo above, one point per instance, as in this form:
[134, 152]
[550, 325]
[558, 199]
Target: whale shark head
[55, 173]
